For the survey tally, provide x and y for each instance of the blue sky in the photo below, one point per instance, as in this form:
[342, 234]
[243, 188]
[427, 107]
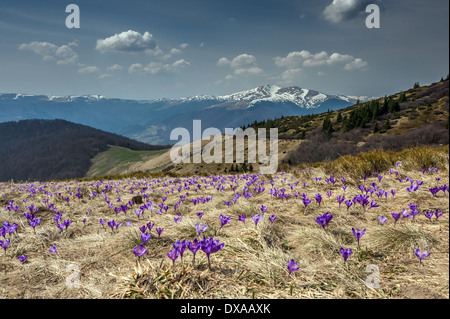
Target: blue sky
[177, 48]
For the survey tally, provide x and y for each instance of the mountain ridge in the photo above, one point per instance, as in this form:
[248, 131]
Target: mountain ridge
[232, 96]
[151, 121]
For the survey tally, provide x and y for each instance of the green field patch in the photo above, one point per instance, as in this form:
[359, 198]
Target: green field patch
[117, 160]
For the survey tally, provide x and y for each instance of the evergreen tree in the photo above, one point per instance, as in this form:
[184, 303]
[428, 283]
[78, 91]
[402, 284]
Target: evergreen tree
[303, 135]
[327, 127]
[387, 125]
[375, 128]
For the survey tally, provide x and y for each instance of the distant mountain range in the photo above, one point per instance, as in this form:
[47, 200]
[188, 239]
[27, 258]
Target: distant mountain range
[151, 121]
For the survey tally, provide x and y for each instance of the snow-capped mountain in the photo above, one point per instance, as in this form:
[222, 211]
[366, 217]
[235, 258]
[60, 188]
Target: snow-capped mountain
[152, 120]
[303, 98]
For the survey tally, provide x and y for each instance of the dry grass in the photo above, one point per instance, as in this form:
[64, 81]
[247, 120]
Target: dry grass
[253, 261]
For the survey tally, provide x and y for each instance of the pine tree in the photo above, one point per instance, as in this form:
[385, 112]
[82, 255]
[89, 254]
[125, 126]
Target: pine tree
[387, 125]
[375, 128]
[303, 135]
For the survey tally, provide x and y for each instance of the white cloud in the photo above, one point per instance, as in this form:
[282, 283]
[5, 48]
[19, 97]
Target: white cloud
[175, 51]
[135, 68]
[127, 41]
[248, 71]
[158, 68]
[344, 10]
[223, 62]
[296, 60]
[290, 74]
[243, 60]
[114, 67]
[243, 64]
[356, 64]
[63, 54]
[88, 70]
[336, 11]
[105, 76]
[184, 45]
[230, 77]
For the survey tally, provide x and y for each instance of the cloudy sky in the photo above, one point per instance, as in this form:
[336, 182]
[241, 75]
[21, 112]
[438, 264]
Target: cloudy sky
[178, 48]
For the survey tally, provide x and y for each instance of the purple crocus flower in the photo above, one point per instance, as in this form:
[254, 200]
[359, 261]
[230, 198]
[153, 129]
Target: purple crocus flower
[111, 224]
[340, 200]
[421, 255]
[434, 190]
[318, 198]
[140, 251]
[194, 246]
[393, 192]
[429, 215]
[145, 237]
[324, 219]
[67, 223]
[4, 244]
[22, 258]
[291, 266]
[60, 226]
[143, 228]
[396, 217]
[373, 204]
[405, 214]
[180, 246]
[54, 250]
[438, 214]
[257, 218]
[200, 214]
[349, 203]
[382, 220]
[223, 221]
[346, 253]
[242, 218]
[200, 228]
[358, 234]
[34, 222]
[272, 218]
[263, 209]
[57, 217]
[159, 231]
[150, 226]
[177, 219]
[210, 246]
[306, 201]
[173, 254]
[138, 212]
